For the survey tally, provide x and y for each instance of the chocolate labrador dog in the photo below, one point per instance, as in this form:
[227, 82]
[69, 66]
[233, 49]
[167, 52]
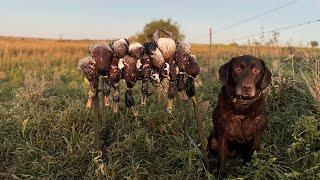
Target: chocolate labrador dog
[240, 116]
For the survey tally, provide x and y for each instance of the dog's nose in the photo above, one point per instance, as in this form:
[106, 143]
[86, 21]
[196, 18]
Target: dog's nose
[247, 87]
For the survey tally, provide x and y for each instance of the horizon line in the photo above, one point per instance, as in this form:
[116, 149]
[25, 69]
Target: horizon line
[105, 39]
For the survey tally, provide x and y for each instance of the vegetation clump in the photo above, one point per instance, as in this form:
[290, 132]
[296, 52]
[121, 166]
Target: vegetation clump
[46, 131]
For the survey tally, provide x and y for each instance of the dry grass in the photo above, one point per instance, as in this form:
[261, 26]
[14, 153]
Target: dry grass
[46, 132]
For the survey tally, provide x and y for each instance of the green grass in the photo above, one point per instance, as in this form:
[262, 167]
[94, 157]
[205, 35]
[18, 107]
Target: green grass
[46, 131]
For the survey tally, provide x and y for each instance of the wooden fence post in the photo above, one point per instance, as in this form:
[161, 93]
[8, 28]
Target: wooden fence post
[201, 133]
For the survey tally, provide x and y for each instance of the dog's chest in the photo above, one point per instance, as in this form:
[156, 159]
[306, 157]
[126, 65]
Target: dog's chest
[242, 128]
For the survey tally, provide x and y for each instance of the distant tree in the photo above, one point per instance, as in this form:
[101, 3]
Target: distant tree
[152, 26]
[234, 44]
[314, 44]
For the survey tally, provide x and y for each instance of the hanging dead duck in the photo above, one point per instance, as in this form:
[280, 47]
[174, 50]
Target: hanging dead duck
[182, 55]
[172, 89]
[182, 59]
[87, 66]
[130, 75]
[115, 77]
[102, 55]
[143, 65]
[136, 50]
[120, 47]
[192, 70]
[156, 58]
[167, 47]
[170, 70]
[145, 72]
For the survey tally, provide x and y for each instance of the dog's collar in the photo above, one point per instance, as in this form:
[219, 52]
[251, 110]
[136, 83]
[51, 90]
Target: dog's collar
[238, 100]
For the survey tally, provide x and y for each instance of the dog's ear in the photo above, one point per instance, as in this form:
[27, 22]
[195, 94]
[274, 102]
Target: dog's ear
[224, 73]
[266, 79]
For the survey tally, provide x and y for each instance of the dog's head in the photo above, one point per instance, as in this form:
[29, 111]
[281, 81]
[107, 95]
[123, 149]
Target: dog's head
[245, 76]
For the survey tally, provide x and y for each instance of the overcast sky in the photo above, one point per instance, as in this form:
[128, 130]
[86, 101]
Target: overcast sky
[104, 19]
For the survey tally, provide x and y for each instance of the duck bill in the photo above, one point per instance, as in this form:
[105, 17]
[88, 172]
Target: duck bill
[143, 99]
[89, 103]
[134, 112]
[106, 101]
[115, 107]
[169, 105]
[183, 95]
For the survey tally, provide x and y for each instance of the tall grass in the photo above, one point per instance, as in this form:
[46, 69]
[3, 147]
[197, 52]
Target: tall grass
[46, 131]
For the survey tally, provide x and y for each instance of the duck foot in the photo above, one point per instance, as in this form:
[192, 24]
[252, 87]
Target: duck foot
[169, 106]
[106, 101]
[115, 107]
[89, 103]
[135, 113]
[183, 95]
[143, 100]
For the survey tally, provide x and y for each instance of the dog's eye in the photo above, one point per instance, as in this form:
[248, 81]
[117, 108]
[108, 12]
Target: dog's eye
[255, 70]
[238, 69]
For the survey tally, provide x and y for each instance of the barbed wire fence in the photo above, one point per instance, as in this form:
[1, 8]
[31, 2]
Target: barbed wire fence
[277, 29]
[212, 33]
[246, 20]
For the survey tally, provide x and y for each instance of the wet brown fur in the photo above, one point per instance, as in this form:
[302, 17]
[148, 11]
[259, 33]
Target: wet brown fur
[238, 127]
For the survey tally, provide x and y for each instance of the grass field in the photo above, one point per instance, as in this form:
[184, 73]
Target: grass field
[46, 131]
